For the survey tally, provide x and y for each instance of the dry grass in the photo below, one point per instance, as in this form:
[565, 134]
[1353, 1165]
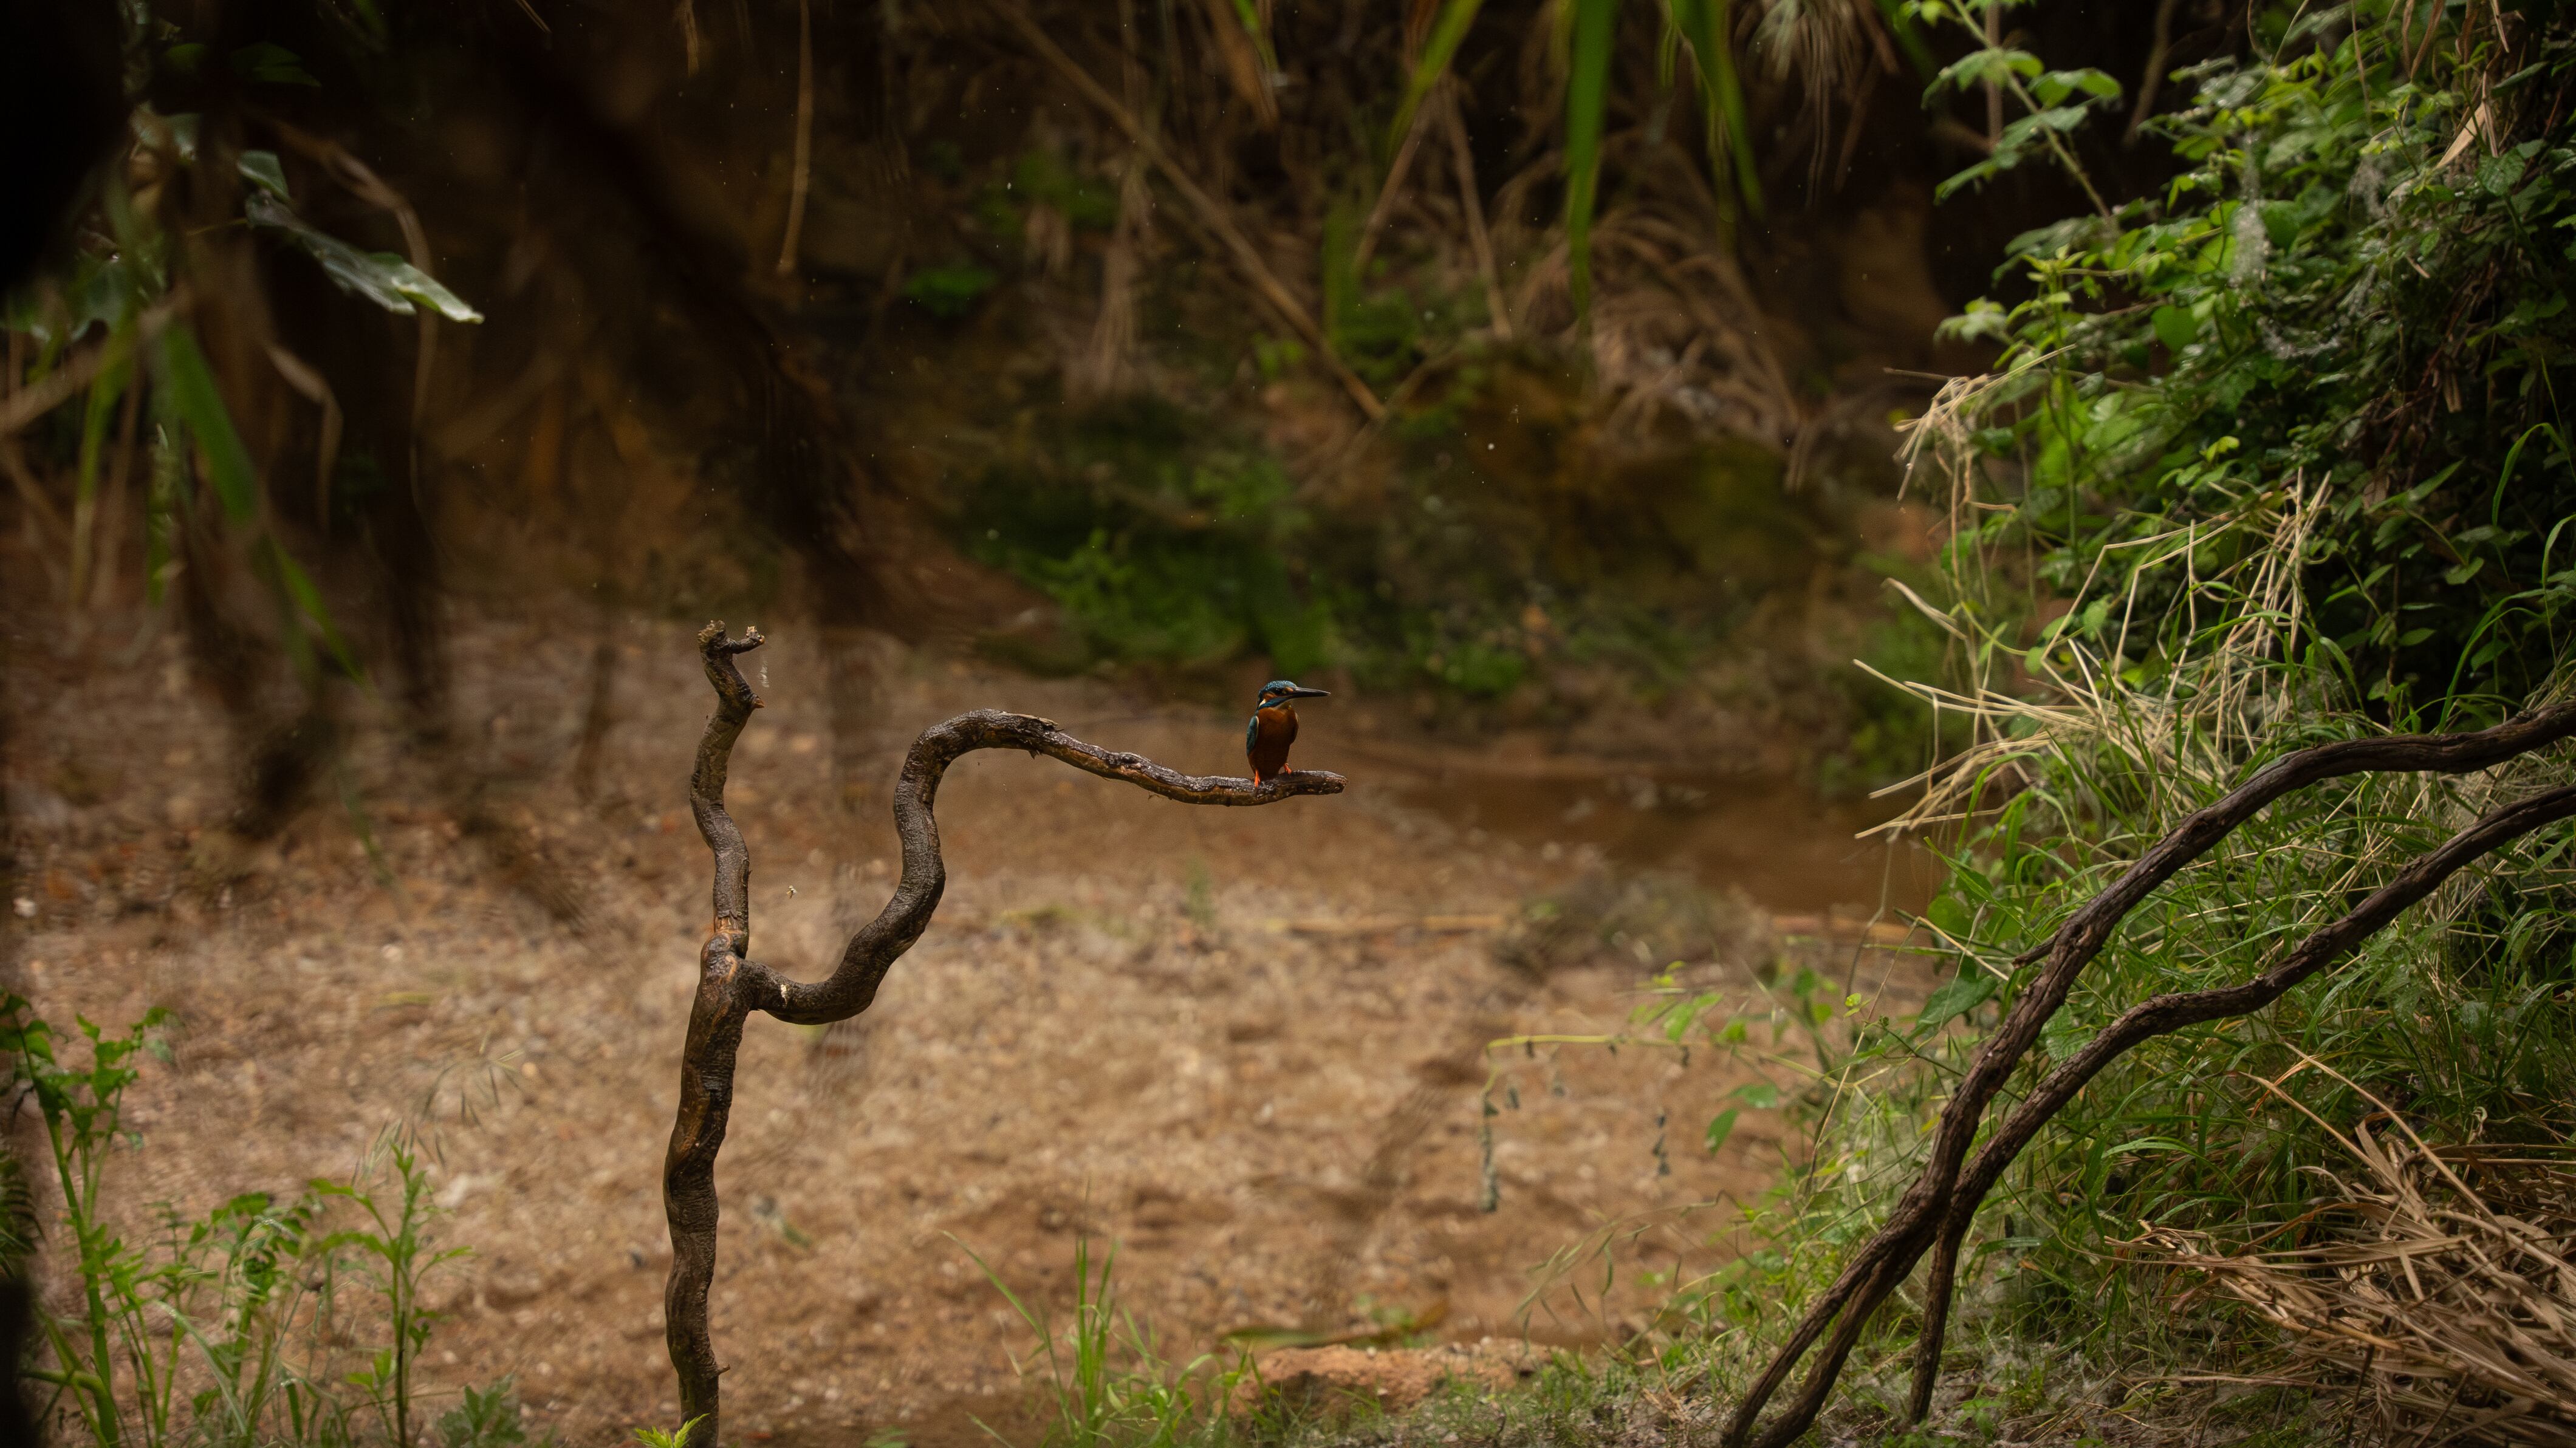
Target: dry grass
[2449, 1308]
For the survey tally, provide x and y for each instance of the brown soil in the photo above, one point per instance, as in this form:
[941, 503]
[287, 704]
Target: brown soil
[1264, 1087]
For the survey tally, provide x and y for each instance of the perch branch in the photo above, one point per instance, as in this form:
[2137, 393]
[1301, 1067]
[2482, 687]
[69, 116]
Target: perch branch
[731, 985]
[1874, 1271]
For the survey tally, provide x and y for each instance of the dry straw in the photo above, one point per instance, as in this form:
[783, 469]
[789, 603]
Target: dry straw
[2450, 1306]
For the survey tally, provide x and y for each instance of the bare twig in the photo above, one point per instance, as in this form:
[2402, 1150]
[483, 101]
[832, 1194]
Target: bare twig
[804, 137]
[1873, 1272]
[362, 180]
[731, 984]
[1210, 214]
[1386, 191]
[1463, 160]
[2154, 76]
[81, 368]
[685, 16]
[300, 375]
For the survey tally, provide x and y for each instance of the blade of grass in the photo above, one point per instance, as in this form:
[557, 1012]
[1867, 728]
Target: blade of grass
[1437, 50]
[1587, 98]
[1706, 26]
[199, 404]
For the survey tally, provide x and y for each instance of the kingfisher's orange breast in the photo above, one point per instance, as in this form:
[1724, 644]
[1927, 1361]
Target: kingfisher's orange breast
[1273, 730]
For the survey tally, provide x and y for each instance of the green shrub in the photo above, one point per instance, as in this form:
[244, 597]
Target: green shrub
[240, 1327]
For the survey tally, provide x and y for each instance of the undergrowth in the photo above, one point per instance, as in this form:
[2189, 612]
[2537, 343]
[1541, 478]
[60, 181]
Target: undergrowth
[264, 1321]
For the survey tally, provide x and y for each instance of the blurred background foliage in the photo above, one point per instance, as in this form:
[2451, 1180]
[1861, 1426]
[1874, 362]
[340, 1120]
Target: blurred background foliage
[1531, 365]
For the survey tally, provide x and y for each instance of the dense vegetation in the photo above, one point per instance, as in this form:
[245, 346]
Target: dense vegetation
[2270, 457]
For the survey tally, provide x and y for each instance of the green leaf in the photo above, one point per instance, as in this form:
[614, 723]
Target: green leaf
[200, 405]
[1995, 65]
[1962, 994]
[381, 277]
[266, 62]
[421, 287]
[2175, 327]
[1587, 97]
[296, 587]
[2057, 85]
[1760, 1095]
[1720, 1127]
[260, 169]
[1704, 25]
[1437, 49]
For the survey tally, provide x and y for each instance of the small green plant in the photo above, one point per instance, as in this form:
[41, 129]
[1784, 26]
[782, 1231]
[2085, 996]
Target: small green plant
[484, 1418]
[394, 1259]
[661, 1438]
[1106, 1373]
[229, 1329]
[119, 1285]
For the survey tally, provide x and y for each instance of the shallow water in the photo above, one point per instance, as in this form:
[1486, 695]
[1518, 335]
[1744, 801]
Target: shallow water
[1774, 840]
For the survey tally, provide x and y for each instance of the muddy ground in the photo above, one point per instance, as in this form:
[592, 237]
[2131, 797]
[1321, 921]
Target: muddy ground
[1246, 1046]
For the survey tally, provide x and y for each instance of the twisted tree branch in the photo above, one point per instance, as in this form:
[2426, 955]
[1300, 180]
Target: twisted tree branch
[2161, 1015]
[1924, 1211]
[731, 985]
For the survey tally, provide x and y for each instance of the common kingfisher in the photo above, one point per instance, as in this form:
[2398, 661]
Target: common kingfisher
[1274, 728]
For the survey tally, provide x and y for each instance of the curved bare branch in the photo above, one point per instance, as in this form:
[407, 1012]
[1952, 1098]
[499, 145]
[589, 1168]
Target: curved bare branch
[731, 985]
[2160, 1015]
[1874, 1271]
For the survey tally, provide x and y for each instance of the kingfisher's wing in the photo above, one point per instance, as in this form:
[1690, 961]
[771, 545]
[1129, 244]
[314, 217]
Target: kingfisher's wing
[1251, 733]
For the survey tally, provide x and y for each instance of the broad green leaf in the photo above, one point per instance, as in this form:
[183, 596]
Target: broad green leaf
[260, 168]
[2057, 85]
[2175, 327]
[381, 277]
[1587, 98]
[1437, 49]
[1720, 1127]
[1760, 1095]
[1996, 64]
[2061, 119]
[194, 397]
[1962, 994]
[1909, 36]
[425, 289]
[267, 62]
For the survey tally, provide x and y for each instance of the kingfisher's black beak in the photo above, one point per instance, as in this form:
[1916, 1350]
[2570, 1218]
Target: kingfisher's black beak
[1310, 693]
